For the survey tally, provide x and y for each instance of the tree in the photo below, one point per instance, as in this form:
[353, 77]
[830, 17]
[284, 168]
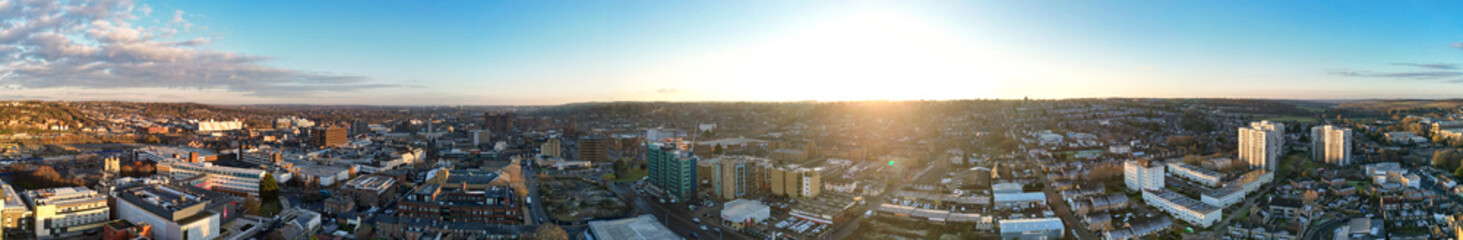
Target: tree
[550, 232]
[268, 188]
[1447, 158]
[1458, 172]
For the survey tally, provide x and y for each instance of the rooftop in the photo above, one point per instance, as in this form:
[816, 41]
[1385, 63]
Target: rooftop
[373, 183]
[1033, 224]
[173, 203]
[1185, 202]
[640, 227]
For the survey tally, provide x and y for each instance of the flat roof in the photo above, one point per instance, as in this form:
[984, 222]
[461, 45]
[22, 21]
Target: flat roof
[1185, 202]
[1031, 224]
[1019, 197]
[639, 227]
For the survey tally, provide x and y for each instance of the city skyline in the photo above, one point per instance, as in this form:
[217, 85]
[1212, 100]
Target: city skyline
[493, 53]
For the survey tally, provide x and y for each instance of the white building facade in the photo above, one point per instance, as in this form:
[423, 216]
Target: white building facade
[1331, 144]
[1141, 175]
[1261, 144]
[230, 179]
[62, 212]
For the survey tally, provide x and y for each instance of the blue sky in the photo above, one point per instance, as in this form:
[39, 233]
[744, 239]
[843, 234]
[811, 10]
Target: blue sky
[552, 52]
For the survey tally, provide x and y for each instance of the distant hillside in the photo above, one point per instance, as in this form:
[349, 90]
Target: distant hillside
[1403, 105]
[39, 117]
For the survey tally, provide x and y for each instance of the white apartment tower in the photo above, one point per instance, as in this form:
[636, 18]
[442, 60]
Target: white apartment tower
[1261, 144]
[1142, 174]
[1331, 144]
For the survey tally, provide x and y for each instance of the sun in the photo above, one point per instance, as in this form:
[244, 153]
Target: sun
[871, 54]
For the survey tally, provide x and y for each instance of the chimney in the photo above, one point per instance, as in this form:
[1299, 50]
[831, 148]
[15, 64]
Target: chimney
[193, 157]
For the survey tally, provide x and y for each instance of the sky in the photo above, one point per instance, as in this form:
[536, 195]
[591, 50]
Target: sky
[555, 52]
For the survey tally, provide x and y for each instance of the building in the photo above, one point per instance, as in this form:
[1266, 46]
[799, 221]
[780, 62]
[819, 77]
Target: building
[1139, 229]
[63, 212]
[371, 190]
[173, 212]
[1035, 228]
[740, 213]
[1141, 175]
[325, 137]
[239, 181]
[1234, 191]
[733, 177]
[1402, 137]
[1183, 208]
[393, 227]
[1018, 201]
[672, 171]
[643, 227]
[552, 148]
[14, 214]
[1203, 176]
[498, 122]
[827, 209]
[113, 165]
[480, 137]
[124, 230]
[217, 126]
[299, 224]
[1331, 144]
[797, 182]
[1261, 144]
[465, 195]
[594, 149]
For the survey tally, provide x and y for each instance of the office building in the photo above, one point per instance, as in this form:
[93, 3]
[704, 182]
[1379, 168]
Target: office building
[1183, 208]
[324, 137]
[1331, 144]
[594, 149]
[552, 148]
[1142, 175]
[1261, 144]
[67, 211]
[672, 170]
[173, 212]
[239, 181]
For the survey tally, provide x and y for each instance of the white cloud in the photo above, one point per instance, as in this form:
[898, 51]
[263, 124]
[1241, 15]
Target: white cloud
[93, 44]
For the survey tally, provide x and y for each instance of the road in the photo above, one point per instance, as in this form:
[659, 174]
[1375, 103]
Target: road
[675, 216]
[1325, 230]
[1063, 211]
[536, 210]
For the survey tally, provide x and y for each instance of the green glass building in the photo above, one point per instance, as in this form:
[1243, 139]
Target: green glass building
[672, 170]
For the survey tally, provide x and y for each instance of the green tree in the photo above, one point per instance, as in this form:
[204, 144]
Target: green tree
[1458, 172]
[269, 188]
